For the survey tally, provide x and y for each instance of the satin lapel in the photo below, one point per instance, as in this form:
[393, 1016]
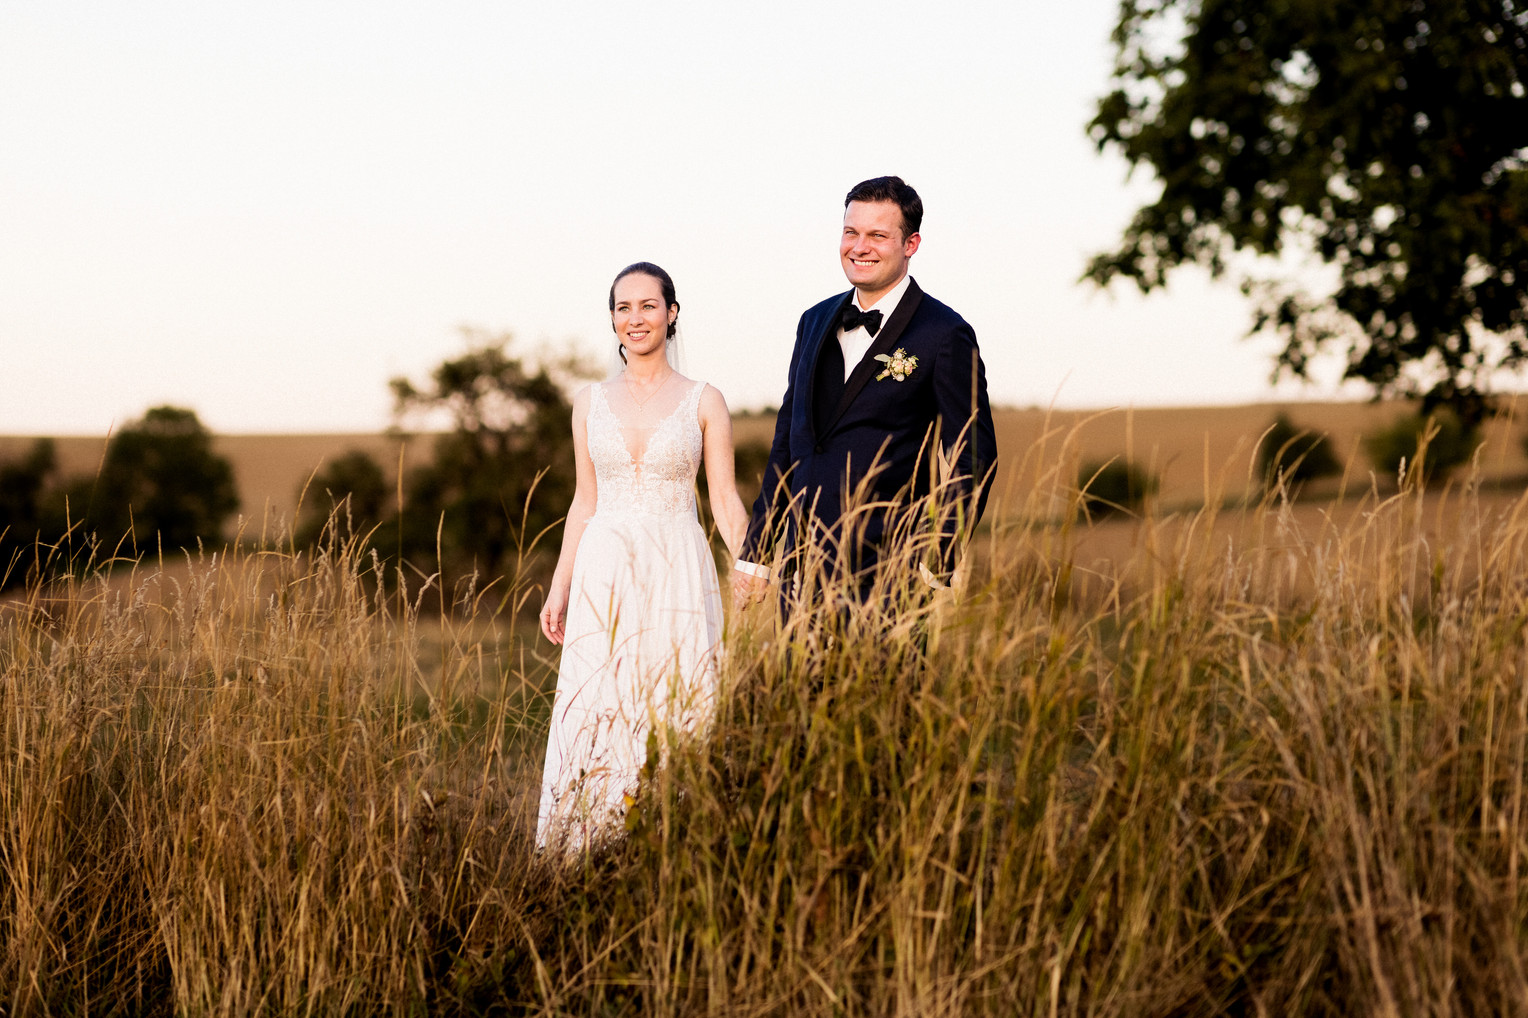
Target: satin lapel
[885, 342]
[828, 333]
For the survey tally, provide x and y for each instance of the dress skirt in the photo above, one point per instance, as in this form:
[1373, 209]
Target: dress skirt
[639, 663]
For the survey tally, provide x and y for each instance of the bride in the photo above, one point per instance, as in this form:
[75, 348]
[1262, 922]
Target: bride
[634, 600]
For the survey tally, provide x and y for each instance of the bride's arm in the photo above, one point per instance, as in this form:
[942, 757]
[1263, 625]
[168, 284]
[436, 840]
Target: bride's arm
[726, 507]
[554, 612]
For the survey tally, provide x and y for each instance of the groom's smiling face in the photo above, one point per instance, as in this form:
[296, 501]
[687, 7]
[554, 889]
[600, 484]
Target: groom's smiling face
[872, 248]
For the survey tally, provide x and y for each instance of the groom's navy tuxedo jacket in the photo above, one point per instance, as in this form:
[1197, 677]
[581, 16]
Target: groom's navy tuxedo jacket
[831, 434]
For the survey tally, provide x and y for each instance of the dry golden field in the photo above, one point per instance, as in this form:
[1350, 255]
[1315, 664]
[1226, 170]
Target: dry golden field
[1226, 757]
[1267, 761]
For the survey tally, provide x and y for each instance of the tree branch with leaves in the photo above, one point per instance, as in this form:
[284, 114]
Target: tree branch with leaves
[1390, 137]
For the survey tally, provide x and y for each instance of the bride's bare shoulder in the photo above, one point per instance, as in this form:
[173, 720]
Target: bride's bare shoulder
[712, 402]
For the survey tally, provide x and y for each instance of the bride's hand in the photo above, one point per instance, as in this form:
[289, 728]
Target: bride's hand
[553, 613]
[747, 589]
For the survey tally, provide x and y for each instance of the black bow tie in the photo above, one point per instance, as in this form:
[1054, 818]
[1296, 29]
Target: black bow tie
[853, 318]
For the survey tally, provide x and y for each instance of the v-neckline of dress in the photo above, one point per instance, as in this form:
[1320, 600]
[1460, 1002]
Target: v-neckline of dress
[638, 462]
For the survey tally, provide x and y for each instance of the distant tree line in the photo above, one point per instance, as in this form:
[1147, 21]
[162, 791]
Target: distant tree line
[491, 499]
[160, 487]
[1429, 446]
[489, 502]
[499, 480]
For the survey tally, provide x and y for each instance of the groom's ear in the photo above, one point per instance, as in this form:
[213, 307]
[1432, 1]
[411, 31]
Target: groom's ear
[910, 245]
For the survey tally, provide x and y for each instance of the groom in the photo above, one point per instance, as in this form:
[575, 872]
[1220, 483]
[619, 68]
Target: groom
[886, 387]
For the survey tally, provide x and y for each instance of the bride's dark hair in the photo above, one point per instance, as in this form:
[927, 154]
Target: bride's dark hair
[667, 284]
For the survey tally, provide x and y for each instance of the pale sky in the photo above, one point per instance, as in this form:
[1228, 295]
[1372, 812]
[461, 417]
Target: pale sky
[265, 211]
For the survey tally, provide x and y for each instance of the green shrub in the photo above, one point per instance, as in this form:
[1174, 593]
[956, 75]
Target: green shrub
[1116, 485]
[353, 486]
[1450, 444]
[28, 501]
[1294, 454]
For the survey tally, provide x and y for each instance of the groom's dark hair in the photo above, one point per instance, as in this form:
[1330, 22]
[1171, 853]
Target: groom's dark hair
[894, 190]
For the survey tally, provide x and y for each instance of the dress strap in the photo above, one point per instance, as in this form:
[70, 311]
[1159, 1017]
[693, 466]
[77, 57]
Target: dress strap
[599, 390]
[598, 402]
[692, 398]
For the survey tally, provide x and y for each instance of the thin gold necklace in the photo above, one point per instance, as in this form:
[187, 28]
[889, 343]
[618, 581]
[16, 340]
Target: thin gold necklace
[642, 403]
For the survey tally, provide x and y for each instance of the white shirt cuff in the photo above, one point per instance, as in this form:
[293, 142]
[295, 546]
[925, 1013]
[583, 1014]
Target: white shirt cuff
[754, 569]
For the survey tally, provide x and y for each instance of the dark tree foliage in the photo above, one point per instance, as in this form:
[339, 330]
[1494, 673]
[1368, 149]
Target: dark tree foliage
[352, 492]
[1387, 135]
[1449, 444]
[1115, 486]
[161, 486]
[1294, 455]
[26, 515]
[42, 518]
[470, 509]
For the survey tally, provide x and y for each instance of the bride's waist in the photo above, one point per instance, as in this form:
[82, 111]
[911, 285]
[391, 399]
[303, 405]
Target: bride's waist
[650, 513]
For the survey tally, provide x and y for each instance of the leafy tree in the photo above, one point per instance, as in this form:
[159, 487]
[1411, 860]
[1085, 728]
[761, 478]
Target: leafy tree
[509, 434]
[1116, 485]
[24, 515]
[352, 489]
[1294, 454]
[1449, 444]
[160, 484]
[1386, 135]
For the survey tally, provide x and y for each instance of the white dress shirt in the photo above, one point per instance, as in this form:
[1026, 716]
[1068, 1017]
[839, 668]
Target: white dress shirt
[856, 342]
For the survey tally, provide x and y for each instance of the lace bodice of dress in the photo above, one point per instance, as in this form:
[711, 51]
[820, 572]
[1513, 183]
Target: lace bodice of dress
[645, 470]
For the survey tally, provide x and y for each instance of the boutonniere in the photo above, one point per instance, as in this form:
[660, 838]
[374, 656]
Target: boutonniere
[898, 364]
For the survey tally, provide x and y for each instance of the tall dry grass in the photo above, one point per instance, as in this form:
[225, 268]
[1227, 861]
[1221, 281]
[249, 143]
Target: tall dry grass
[1263, 764]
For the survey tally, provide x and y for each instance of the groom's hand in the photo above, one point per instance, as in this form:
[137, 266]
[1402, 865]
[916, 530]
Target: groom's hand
[747, 589]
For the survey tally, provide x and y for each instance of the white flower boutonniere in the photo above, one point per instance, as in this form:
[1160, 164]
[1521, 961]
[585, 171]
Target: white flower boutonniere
[898, 364]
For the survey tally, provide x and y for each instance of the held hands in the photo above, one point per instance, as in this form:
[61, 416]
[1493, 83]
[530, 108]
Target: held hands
[554, 613]
[747, 589]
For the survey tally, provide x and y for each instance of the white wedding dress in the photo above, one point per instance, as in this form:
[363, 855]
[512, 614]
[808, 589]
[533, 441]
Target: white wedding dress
[644, 619]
